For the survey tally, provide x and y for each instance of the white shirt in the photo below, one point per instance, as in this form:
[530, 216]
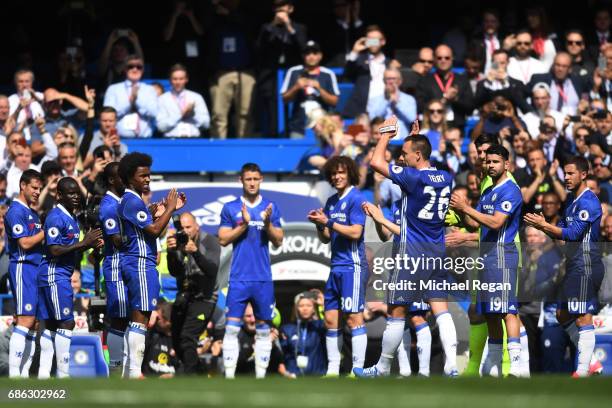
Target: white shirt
[532, 120]
[377, 71]
[35, 108]
[12, 180]
[523, 70]
[490, 44]
[169, 114]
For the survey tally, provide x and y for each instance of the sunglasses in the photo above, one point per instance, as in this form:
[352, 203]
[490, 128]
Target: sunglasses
[442, 57]
[581, 137]
[391, 79]
[574, 42]
[549, 203]
[523, 43]
[135, 66]
[422, 61]
[436, 111]
[598, 165]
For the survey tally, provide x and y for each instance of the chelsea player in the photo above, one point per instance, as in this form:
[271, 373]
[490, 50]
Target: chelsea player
[24, 236]
[138, 253]
[498, 214]
[425, 194]
[342, 222]
[580, 229]
[116, 291]
[55, 273]
[249, 223]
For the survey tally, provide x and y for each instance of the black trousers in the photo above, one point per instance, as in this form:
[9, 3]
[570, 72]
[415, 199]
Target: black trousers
[189, 319]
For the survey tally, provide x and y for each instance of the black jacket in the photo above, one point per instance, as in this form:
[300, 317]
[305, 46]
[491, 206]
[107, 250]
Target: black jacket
[516, 92]
[196, 273]
[358, 72]
[579, 84]
[463, 105]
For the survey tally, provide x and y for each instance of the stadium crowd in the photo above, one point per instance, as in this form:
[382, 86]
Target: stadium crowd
[545, 96]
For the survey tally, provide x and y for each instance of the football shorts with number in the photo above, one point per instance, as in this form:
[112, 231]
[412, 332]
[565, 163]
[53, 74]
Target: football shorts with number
[345, 287]
[584, 270]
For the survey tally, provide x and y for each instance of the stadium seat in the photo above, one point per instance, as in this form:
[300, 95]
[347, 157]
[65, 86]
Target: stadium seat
[87, 356]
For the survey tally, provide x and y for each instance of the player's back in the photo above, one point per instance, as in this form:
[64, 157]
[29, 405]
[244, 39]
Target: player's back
[21, 221]
[425, 197]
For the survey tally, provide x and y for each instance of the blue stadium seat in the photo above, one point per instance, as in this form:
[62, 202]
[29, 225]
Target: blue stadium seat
[163, 81]
[603, 351]
[86, 356]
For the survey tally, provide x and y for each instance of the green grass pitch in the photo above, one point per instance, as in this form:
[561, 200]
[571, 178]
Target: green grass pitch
[542, 391]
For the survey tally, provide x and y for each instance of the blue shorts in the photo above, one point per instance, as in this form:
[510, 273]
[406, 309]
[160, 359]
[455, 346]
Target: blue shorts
[23, 278]
[111, 268]
[142, 281]
[419, 308]
[580, 290]
[260, 294]
[116, 299]
[498, 287]
[345, 289]
[439, 276]
[56, 301]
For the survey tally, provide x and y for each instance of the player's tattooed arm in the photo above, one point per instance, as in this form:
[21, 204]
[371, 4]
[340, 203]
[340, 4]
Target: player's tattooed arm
[228, 235]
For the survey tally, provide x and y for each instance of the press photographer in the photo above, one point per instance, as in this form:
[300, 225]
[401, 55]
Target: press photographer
[193, 259]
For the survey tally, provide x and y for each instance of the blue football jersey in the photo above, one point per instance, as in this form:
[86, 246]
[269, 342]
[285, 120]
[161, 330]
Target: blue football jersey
[424, 203]
[135, 216]
[22, 221]
[347, 210]
[581, 224]
[250, 252]
[61, 228]
[507, 199]
[109, 219]
[396, 217]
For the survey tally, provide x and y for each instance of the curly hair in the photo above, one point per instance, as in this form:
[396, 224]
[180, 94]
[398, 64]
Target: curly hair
[349, 164]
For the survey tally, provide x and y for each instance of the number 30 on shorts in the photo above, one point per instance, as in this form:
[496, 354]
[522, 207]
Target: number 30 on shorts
[346, 303]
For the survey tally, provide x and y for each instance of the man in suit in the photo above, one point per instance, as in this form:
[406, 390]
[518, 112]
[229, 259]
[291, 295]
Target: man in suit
[566, 89]
[365, 67]
[454, 90]
[602, 81]
[600, 36]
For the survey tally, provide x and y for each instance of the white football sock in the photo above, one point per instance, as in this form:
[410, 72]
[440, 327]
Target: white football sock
[448, 337]
[114, 341]
[514, 351]
[30, 349]
[403, 355]
[359, 343]
[333, 340]
[392, 337]
[525, 370]
[231, 348]
[493, 360]
[46, 354]
[63, 337]
[586, 346]
[125, 369]
[423, 334]
[263, 348]
[136, 348]
[17, 349]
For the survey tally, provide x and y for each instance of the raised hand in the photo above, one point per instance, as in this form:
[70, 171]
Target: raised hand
[182, 199]
[91, 237]
[267, 214]
[389, 127]
[172, 199]
[535, 220]
[246, 217]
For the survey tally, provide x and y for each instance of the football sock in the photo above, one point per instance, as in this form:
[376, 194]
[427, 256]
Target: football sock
[586, 346]
[46, 354]
[478, 339]
[493, 360]
[359, 343]
[332, 343]
[403, 355]
[423, 334]
[17, 346]
[114, 340]
[136, 348]
[514, 350]
[263, 347]
[392, 337]
[231, 348]
[448, 337]
[525, 371]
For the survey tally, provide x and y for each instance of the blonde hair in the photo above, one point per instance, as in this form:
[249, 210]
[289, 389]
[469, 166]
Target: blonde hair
[427, 120]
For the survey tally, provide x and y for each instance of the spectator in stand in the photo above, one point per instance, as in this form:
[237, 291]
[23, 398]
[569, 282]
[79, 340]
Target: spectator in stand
[159, 357]
[600, 36]
[522, 65]
[602, 134]
[232, 36]
[537, 179]
[453, 90]
[51, 173]
[551, 207]
[107, 136]
[473, 71]
[488, 39]
[602, 80]
[6, 126]
[121, 43]
[67, 159]
[542, 35]
[566, 89]
[342, 32]
[448, 155]
[279, 45]
[365, 67]
[582, 136]
[582, 66]
[134, 101]
[27, 104]
[554, 146]
[182, 36]
[498, 117]
[497, 79]
[521, 145]
[13, 140]
[603, 174]
[309, 86]
[303, 340]
[181, 112]
[434, 123]
[23, 162]
[541, 102]
[71, 74]
[394, 102]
